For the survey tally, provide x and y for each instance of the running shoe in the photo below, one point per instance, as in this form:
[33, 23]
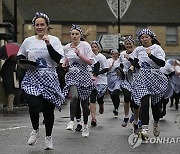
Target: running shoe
[85, 131]
[48, 143]
[33, 137]
[70, 126]
[93, 122]
[115, 111]
[125, 122]
[78, 128]
[144, 134]
[156, 131]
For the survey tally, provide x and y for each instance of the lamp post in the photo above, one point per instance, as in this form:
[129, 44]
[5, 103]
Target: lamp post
[15, 20]
[119, 25]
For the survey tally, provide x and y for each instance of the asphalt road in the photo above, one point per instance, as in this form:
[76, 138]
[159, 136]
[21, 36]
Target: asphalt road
[109, 137]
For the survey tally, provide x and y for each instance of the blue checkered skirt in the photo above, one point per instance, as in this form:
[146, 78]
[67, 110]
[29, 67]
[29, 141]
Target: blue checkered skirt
[100, 89]
[79, 76]
[170, 89]
[149, 81]
[113, 81]
[126, 85]
[44, 82]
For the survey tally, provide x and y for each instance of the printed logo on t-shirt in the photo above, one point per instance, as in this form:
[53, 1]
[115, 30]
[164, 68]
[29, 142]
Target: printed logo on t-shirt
[41, 62]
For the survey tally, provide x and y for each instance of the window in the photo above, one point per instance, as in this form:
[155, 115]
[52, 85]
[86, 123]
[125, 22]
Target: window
[171, 35]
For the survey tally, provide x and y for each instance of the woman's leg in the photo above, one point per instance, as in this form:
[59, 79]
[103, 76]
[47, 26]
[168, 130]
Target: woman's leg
[100, 101]
[144, 116]
[35, 107]
[116, 100]
[73, 107]
[85, 107]
[156, 112]
[127, 99]
[73, 103]
[48, 113]
[93, 107]
[78, 116]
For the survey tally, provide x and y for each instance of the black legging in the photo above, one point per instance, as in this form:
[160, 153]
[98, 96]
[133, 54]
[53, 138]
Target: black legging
[115, 98]
[127, 97]
[93, 98]
[38, 104]
[78, 110]
[144, 110]
[73, 105]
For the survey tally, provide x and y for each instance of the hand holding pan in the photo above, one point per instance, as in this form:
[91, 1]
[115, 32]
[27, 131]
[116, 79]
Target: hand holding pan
[27, 64]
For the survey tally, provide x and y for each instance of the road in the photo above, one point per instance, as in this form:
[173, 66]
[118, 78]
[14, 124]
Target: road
[109, 137]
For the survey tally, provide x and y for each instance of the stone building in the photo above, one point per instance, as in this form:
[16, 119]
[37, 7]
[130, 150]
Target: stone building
[160, 16]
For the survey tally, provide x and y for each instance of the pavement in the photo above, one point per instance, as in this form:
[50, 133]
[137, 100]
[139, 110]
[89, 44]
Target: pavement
[108, 137]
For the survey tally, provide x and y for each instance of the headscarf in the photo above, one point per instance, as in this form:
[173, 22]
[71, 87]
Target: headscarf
[147, 32]
[40, 15]
[97, 43]
[77, 27]
[129, 39]
[114, 51]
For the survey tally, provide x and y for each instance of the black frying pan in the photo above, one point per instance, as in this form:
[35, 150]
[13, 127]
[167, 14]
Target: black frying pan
[27, 64]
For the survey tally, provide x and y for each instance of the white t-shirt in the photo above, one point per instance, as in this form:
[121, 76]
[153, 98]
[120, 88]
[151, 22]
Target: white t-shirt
[116, 64]
[102, 78]
[156, 50]
[126, 63]
[36, 50]
[84, 48]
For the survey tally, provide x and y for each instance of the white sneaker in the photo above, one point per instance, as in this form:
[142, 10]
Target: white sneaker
[70, 126]
[33, 137]
[156, 131]
[48, 143]
[144, 134]
[85, 131]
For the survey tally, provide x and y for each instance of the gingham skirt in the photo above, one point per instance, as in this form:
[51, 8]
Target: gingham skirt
[176, 81]
[44, 82]
[78, 75]
[113, 81]
[149, 81]
[126, 85]
[170, 90]
[100, 89]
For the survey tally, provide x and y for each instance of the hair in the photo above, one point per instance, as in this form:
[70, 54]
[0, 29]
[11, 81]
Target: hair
[97, 43]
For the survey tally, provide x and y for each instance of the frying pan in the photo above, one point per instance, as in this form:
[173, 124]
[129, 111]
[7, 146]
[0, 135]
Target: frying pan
[27, 64]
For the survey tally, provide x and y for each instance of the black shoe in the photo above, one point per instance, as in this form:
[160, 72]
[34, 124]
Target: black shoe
[93, 122]
[125, 122]
[115, 111]
[78, 128]
[163, 113]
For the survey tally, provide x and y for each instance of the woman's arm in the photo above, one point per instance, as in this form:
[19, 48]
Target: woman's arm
[54, 54]
[86, 60]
